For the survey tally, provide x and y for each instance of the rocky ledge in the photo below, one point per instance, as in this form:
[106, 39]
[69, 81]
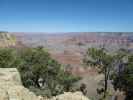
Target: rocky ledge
[11, 88]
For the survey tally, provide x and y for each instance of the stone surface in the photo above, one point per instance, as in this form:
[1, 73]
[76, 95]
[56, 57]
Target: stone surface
[10, 75]
[11, 87]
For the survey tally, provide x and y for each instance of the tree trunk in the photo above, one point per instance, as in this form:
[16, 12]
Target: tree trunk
[37, 83]
[105, 83]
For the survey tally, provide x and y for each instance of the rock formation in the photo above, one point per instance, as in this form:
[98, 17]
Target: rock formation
[7, 40]
[11, 88]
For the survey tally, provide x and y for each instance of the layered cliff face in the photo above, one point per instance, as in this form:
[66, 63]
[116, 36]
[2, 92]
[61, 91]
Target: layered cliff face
[7, 40]
[12, 89]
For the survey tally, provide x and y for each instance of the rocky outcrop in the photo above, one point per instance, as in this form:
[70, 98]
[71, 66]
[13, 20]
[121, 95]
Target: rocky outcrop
[7, 40]
[11, 88]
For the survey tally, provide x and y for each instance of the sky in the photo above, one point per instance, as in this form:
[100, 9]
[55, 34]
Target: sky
[66, 15]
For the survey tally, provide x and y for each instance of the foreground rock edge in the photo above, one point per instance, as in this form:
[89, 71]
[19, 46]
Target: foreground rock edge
[11, 88]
